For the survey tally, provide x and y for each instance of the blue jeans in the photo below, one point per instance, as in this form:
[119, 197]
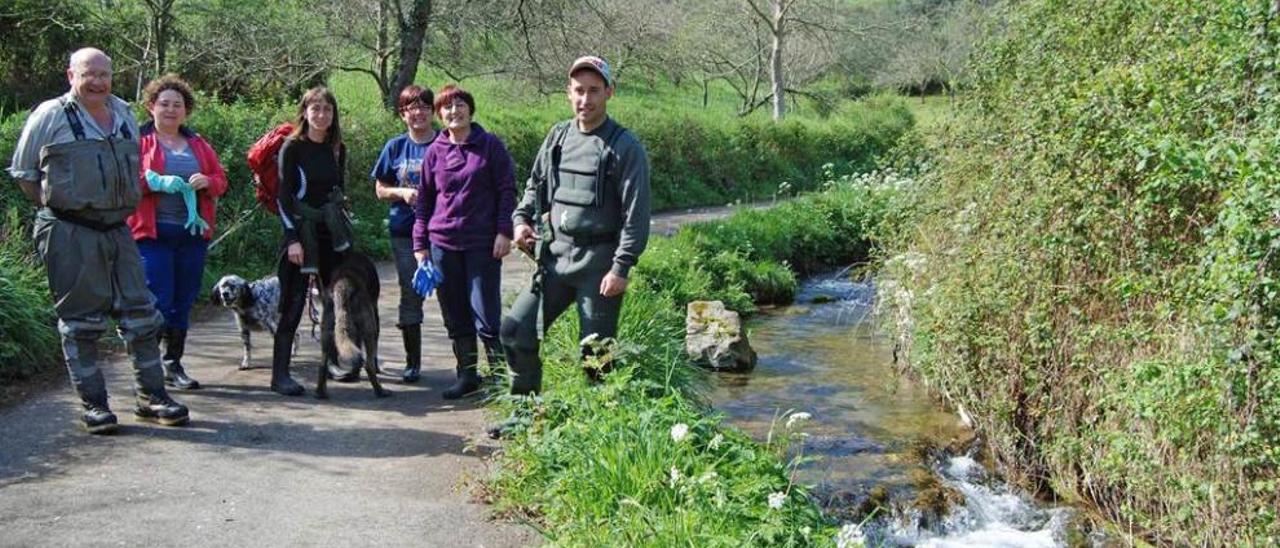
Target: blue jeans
[174, 265]
[471, 294]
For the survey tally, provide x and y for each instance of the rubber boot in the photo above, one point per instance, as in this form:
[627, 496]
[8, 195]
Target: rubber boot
[412, 335]
[495, 355]
[281, 382]
[464, 350]
[526, 371]
[175, 345]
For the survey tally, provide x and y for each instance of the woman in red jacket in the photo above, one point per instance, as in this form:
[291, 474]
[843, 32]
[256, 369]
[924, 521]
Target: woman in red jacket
[172, 239]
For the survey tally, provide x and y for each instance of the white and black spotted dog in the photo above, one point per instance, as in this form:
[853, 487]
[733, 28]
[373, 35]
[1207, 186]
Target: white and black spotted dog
[256, 304]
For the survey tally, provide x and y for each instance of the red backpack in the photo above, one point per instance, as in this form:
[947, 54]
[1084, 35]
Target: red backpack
[264, 157]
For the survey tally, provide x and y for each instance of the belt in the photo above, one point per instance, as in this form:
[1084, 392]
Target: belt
[87, 223]
[587, 240]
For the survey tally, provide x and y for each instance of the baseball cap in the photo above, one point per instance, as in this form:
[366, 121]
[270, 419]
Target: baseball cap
[591, 62]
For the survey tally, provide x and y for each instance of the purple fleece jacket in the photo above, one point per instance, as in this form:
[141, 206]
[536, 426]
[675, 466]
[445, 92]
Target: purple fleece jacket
[467, 195]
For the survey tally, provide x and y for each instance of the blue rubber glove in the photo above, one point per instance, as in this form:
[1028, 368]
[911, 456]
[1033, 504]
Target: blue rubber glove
[427, 278]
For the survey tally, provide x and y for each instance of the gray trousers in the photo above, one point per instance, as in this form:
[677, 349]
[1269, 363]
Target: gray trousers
[94, 276]
[572, 276]
[406, 265]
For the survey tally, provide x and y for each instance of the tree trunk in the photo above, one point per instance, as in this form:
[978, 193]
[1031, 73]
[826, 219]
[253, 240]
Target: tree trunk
[161, 27]
[413, 30]
[775, 63]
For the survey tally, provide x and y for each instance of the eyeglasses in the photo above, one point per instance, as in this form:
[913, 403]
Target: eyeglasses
[417, 107]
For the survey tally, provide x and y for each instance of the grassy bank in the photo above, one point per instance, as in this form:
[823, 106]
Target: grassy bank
[1089, 269]
[604, 465]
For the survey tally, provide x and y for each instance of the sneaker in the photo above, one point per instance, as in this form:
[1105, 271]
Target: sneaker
[99, 420]
[161, 409]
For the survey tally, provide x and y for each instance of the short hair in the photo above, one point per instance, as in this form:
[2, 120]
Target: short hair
[166, 83]
[412, 94]
[449, 93]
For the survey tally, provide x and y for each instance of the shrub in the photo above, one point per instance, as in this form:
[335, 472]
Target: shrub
[1090, 269]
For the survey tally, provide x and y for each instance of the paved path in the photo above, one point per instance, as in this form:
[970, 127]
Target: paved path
[258, 469]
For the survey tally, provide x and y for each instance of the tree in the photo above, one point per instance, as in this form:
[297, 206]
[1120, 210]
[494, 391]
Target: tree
[386, 38]
[775, 20]
[160, 30]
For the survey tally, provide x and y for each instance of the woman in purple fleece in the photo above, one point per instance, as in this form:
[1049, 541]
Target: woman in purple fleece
[463, 220]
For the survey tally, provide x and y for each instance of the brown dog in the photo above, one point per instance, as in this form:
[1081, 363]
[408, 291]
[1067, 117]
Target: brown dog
[349, 323]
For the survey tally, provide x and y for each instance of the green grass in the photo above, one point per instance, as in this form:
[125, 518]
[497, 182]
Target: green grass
[598, 465]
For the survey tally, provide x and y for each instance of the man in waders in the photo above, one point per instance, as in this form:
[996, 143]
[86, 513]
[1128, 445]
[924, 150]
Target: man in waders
[78, 159]
[586, 210]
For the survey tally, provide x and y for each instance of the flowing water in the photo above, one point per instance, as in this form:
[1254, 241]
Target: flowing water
[880, 440]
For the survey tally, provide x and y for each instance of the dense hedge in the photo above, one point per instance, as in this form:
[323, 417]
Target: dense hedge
[1090, 270]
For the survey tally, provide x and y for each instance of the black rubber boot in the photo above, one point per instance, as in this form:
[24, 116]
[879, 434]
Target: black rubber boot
[162, 409]
[495, 355]
[464, 350]
[175, 345]
[526, 371]
[412, 335]
[281, 382]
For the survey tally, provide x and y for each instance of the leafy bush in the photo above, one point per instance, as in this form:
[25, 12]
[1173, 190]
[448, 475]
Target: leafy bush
[754, 256]
[1090, 269]
[28, 335]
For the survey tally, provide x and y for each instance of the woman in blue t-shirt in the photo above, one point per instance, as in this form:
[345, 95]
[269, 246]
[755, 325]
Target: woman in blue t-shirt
[398, 174]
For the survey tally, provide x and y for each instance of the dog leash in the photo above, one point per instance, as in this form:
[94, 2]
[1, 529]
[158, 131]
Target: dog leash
[311, 305]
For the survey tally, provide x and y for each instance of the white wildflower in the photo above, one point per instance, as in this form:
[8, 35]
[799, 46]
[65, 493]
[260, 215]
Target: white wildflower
[850, 536]
[679, 432]
[708, 476]
[675, 476]
[777, 499]
[715, 442]
[797, 417]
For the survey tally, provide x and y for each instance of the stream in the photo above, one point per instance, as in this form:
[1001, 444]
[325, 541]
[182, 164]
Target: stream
[880, 440]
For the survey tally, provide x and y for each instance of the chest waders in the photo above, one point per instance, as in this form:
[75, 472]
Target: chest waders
[89, 187]
[552, 192]
[90, 182]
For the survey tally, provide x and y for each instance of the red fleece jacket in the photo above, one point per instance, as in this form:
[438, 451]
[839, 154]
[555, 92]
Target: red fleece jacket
[143, 221]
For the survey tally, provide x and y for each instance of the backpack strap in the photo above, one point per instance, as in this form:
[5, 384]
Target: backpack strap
[73, 118]
[558, 134]
[606, 153]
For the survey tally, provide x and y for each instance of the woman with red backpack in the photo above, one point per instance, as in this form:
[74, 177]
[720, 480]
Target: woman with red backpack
[312, 165]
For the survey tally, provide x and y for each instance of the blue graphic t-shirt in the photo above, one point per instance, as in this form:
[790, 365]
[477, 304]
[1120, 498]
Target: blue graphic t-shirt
[401, 164]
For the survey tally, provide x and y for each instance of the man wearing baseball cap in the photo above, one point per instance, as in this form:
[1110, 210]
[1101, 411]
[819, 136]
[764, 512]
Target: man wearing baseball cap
[585, 217]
